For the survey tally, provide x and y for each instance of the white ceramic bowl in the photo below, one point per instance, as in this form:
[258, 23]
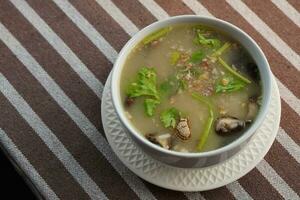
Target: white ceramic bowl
[202, 159]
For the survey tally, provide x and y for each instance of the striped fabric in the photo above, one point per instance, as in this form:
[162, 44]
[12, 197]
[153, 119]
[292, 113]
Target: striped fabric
[55, 56]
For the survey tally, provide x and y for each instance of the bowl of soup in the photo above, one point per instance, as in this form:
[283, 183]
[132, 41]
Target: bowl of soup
[191, 90]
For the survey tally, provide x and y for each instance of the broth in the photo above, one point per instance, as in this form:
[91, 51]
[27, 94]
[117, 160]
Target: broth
[190, 88]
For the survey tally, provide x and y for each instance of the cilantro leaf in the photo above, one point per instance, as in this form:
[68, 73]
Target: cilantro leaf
[233, 72]
[145, 85]
[156, 35]
[169, 117]
[197, 56]
[230, 86]
[207, 41]
[150, 106]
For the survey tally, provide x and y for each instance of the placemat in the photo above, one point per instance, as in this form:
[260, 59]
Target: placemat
[55, 56]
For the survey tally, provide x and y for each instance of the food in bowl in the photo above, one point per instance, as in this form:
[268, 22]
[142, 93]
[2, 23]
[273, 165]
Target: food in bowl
[190, 88]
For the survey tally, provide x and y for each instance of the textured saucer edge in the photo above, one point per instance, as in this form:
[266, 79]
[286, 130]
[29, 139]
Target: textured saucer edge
[196, 179]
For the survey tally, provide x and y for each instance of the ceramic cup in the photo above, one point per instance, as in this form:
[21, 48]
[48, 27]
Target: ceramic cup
[201, 159]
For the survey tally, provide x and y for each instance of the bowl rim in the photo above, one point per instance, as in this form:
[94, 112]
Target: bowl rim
[118, 68]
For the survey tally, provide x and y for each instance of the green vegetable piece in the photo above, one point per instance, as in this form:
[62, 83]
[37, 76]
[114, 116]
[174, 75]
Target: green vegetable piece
[206, 41]
[221, 50]
[232, 71]
[150, 106]
[174, 57]
[156, 35]
[209, 121]
[145, 84]
[169, 117]
[182, 84]
[205, 133]
[232, 85]
[197, 56]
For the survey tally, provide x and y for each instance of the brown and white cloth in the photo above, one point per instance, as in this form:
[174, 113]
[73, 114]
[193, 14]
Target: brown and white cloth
[55, 56]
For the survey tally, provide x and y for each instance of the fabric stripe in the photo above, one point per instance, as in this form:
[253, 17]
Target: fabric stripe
[217, 194]
[47, 56]
[154, 9]
[290, 122]
[29, 170]
[276, 20]
[98, 18]
[173, 8]
[196, 7]
[47, 136]
[78, 117]
[85, 50]
[258, 187]
[238, 191]
[136, 12]
[162, 193]
[292, 148]
[70, 57]
[266, 32]
[94, 36]
[194, 195]
[278, 159]
[288, 10]
[118, 16]
[276, 181]
[38, 154]
[295, 4]
[64, 128]
[133, 181]
[289, 97]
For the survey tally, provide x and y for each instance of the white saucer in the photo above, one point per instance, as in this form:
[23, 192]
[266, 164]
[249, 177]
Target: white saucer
[197, 179]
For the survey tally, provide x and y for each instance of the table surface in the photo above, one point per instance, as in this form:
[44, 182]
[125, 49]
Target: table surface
[55, 57]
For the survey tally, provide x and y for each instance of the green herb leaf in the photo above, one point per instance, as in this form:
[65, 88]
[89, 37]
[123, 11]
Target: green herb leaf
[169, 117]
[209, 122]
[182, 84]
[232, 71]
[215, 43]
[145, 84]
[150, 106]
[197, 56]
[174, 57]
[156, 35]
[232, 85]
[221, 50]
